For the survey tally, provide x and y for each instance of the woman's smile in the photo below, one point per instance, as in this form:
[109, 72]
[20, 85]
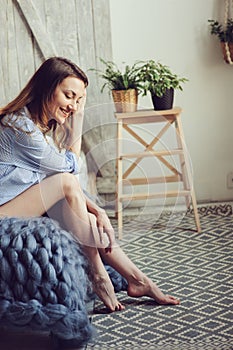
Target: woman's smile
[65, 112]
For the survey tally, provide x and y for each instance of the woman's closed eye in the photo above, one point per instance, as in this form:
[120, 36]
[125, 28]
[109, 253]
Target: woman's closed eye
[71, 98]
[68, 96]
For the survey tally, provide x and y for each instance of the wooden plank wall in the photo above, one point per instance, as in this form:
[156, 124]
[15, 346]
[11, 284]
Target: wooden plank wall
[33, 30]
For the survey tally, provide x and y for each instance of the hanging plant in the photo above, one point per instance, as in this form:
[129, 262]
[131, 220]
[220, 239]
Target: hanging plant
[224, 32]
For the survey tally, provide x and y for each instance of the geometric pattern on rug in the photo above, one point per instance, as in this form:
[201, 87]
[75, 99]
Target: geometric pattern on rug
[220, 209]
[196, 267]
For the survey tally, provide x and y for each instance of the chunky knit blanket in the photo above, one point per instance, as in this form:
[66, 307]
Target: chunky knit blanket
[44, 283]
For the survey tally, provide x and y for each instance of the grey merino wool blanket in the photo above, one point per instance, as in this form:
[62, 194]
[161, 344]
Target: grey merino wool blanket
[44, 283]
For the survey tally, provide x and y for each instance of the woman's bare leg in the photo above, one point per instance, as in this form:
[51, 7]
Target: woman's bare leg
[138, 283]
[40, 198]
[102, 284]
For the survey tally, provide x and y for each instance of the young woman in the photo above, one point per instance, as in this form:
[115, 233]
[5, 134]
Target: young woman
[38, 178]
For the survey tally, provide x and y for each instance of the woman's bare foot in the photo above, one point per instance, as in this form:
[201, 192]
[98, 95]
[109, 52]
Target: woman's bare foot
[146, 287]
[103, 287]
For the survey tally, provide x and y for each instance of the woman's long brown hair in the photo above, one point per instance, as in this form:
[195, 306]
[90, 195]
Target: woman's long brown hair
[39, 90]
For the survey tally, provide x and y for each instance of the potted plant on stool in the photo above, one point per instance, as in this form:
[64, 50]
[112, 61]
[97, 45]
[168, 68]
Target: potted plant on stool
[158, 79]
[124, 85]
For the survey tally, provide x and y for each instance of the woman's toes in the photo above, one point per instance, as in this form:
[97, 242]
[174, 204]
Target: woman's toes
[120, 307]
[169, 299]
[105, 291]
[146, 287]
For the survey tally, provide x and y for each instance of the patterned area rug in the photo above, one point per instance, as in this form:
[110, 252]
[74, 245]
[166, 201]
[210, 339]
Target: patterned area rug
[196, 267]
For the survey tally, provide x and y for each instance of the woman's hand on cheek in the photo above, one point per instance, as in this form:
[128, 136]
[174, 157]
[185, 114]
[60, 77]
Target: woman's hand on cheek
[82, 102]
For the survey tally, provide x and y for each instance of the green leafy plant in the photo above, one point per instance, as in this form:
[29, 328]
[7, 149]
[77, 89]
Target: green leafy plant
[157, 78]
[224, 34]
[116, 79]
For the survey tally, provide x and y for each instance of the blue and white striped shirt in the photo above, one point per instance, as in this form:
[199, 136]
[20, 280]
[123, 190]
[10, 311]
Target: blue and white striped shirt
[26, 157]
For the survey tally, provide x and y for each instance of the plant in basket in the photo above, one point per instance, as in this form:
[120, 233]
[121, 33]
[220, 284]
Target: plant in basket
[125, 85]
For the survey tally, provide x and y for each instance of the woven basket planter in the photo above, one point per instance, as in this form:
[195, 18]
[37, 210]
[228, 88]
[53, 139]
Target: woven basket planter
[125, 100]
[227, 59]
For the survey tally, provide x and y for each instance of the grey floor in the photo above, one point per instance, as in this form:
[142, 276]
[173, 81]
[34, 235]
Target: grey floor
[195, 267]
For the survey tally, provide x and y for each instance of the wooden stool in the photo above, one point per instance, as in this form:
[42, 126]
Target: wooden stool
[183, 174]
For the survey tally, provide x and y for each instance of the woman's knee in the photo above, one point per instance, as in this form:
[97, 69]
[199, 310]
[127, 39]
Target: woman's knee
[71, 185]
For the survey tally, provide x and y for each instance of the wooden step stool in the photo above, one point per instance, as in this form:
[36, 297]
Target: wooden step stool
[168, 118]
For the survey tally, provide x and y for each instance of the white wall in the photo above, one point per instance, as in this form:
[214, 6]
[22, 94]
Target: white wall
[176, 32]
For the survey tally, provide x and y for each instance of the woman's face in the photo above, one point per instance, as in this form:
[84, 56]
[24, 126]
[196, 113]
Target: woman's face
[66, 99]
